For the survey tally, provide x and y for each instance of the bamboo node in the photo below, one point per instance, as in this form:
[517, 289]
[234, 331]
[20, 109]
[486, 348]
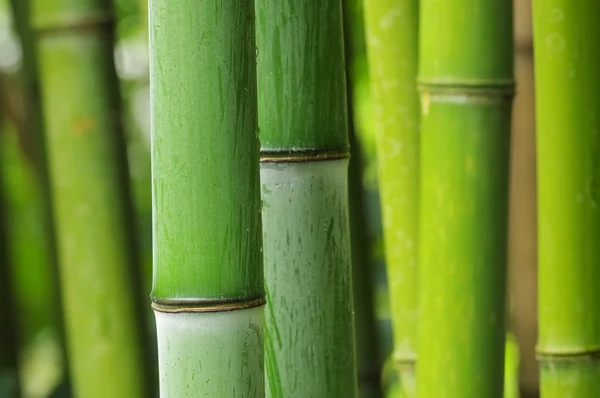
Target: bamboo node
[575, 356]
[303, 155]
[492, 92]
[178, 305]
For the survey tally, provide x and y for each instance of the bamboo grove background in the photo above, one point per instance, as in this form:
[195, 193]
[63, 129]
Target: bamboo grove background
[51, 73]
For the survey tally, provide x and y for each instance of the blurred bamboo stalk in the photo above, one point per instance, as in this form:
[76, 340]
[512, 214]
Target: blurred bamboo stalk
[392, 37]
[93, 216]
[33, 116]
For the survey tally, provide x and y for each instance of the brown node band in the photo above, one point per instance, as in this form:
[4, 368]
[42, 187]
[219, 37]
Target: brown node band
[301, 156]
[200, 306]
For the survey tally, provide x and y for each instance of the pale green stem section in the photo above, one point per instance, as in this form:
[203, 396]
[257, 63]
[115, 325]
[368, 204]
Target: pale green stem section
[210, 340]
[309, 323]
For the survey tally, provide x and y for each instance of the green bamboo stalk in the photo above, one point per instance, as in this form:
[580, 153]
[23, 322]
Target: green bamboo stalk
[208, 288]
[94, 230]
[567, 76]
[466, 82]
[392, 38]
[309, 341]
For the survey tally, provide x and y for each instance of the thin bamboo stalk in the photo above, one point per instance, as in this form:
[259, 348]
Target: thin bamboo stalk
[309, 341]
[392, 37]
[466, 82]
[94, 231]
[208, 288]
[567, 78]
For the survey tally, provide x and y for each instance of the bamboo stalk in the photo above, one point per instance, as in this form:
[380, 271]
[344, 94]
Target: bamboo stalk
[94, 231]
[392, 37]
[208, 292]
[309, 341]
[567, 77]
[466, 82]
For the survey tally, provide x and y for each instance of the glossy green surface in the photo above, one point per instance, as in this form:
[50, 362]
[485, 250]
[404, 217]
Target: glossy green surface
[205, 179]
[301, 80]
[463, 247]
[392, 38]
[309, 339]
[88, 171]
[567, 76]
[466, 42]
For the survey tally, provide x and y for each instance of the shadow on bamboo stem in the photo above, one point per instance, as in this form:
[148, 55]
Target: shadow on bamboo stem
[9, 369]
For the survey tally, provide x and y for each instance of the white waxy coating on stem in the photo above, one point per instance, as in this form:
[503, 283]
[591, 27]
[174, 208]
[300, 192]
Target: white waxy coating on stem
[309, 345]
[199, 353]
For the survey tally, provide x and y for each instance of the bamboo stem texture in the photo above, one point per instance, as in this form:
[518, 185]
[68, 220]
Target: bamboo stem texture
[309, 339]
[208, 288]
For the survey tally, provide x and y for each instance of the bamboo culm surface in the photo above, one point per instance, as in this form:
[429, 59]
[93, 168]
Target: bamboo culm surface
[392, 38]
[466, 84]
[567, 82]
[208, 289]
[87, 164]
[309, 340]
